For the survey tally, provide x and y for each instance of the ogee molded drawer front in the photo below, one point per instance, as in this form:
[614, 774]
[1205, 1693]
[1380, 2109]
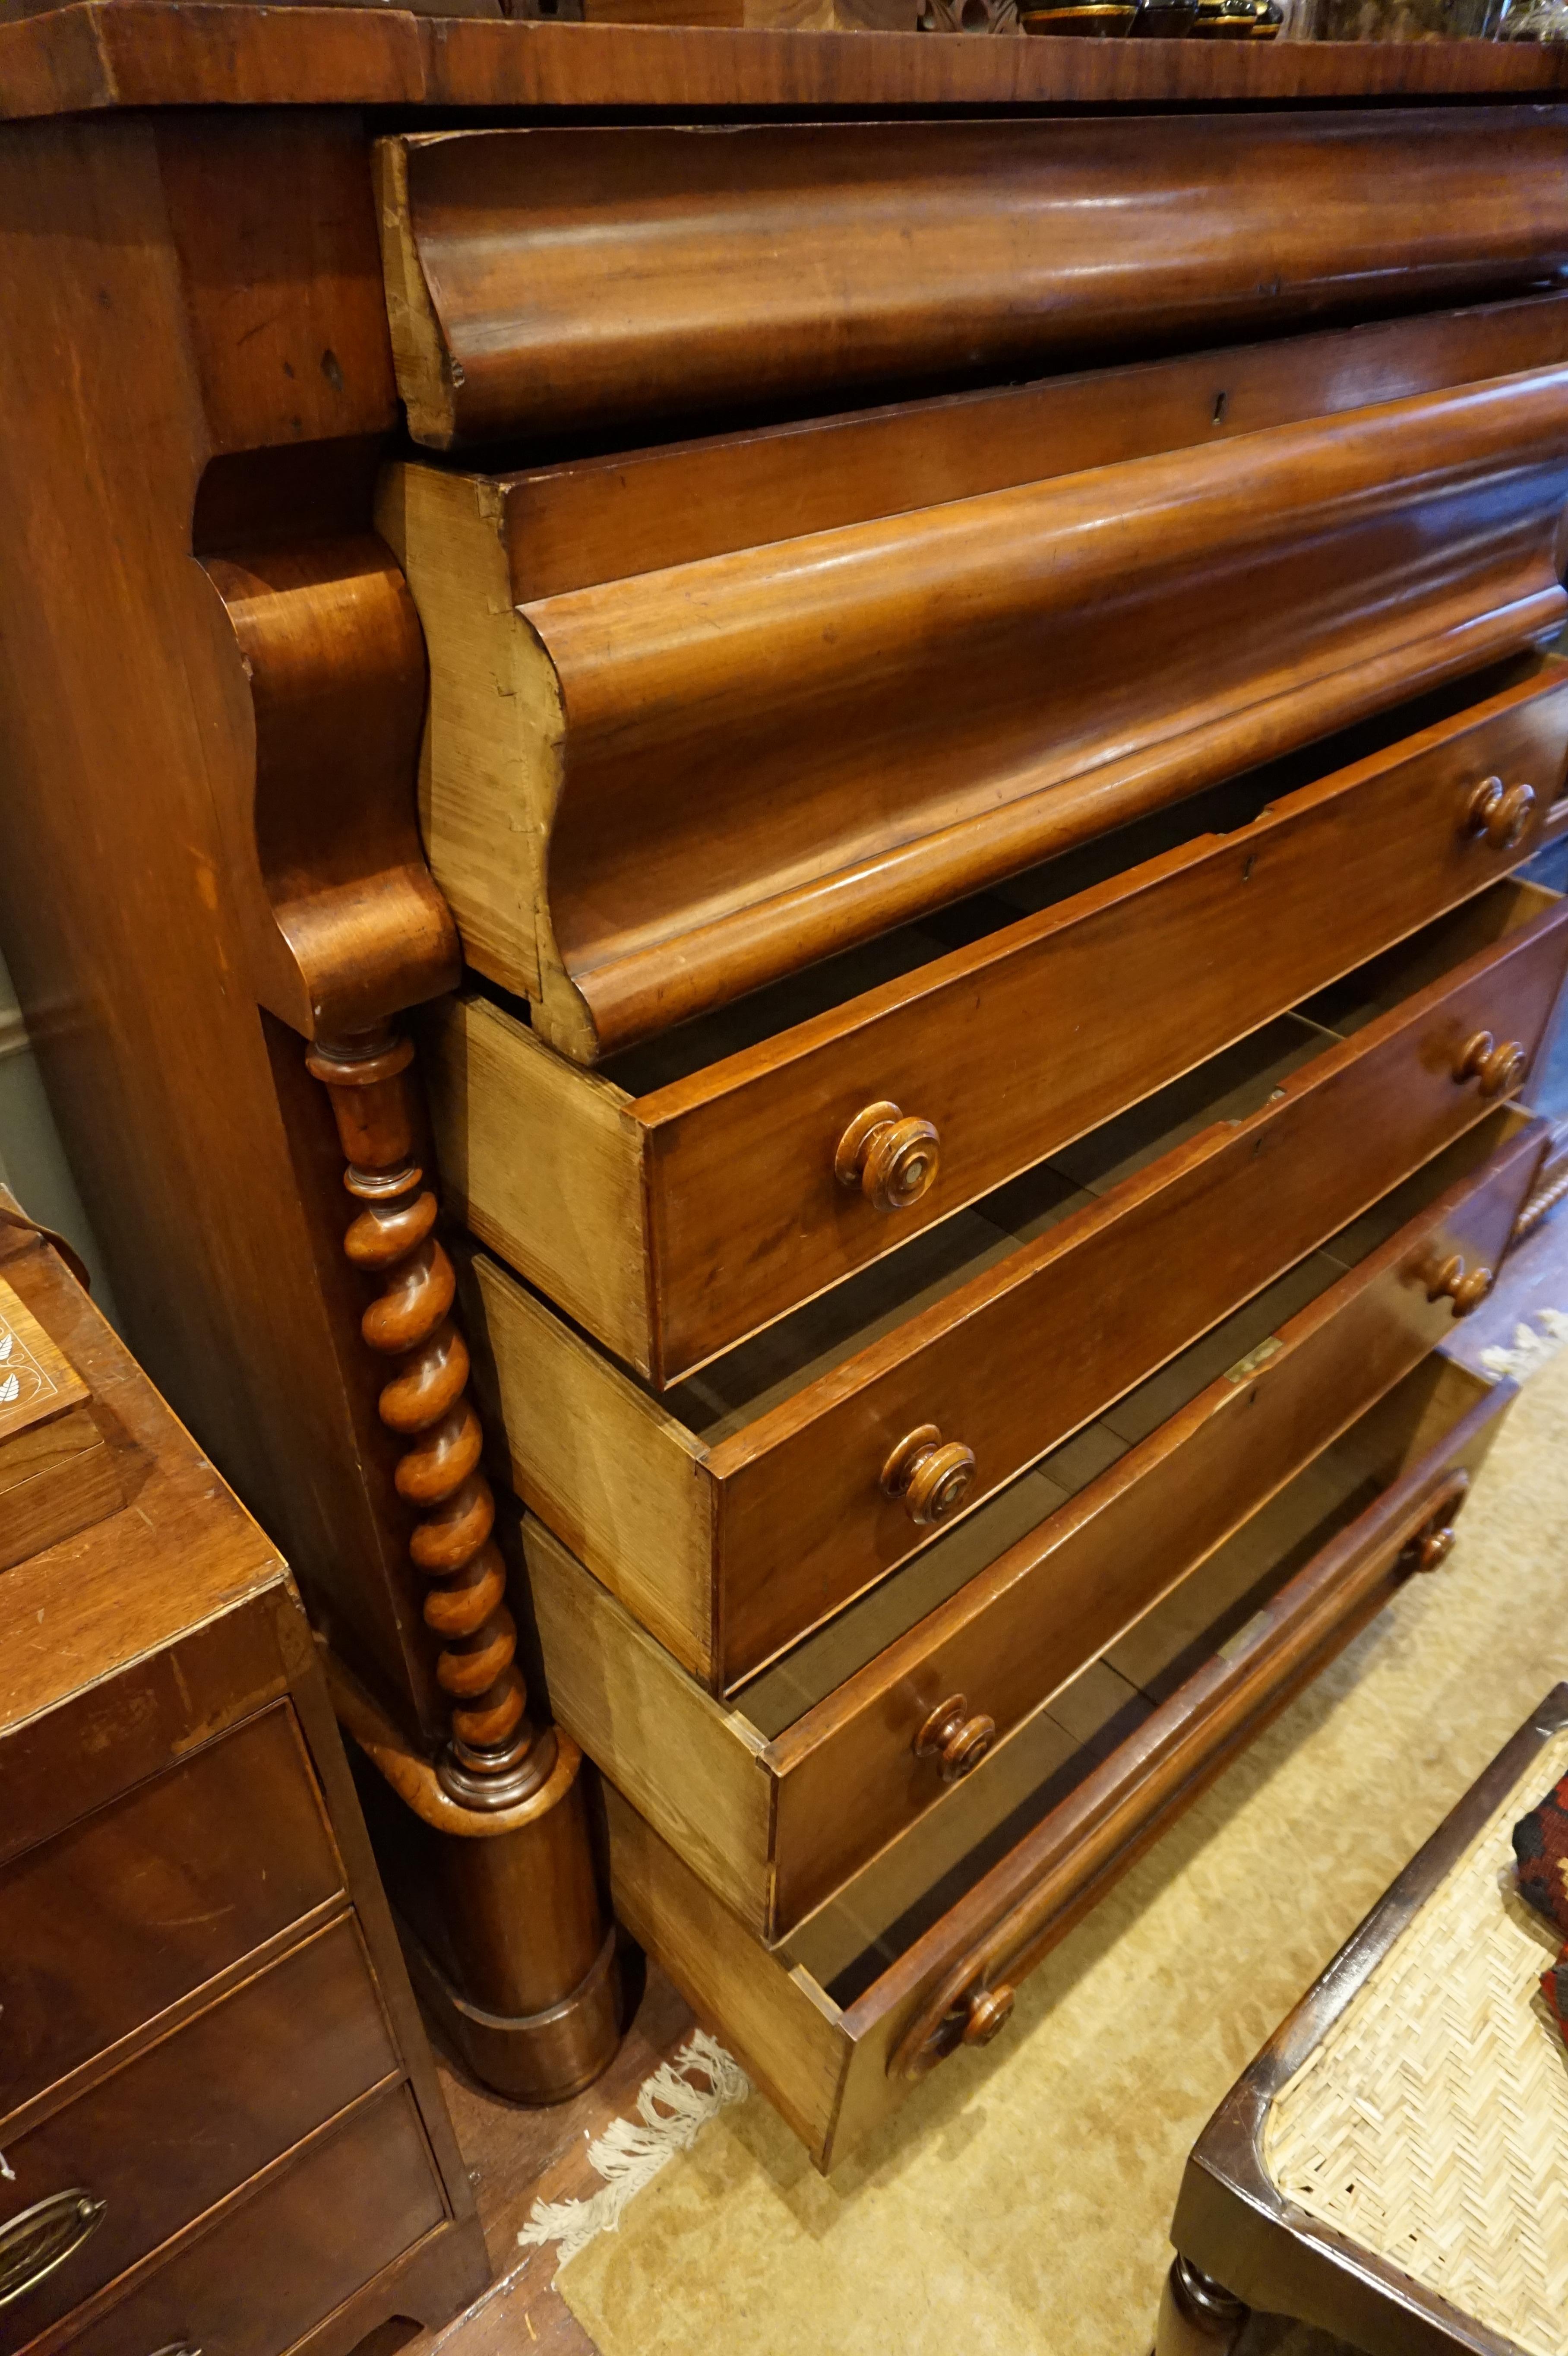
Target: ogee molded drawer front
[866, 1727]
[546, 281]
[736, 1515]
[678, 1203]
[923, 1950]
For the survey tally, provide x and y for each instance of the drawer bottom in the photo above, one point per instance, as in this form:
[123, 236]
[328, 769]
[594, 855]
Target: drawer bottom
[922, 1951]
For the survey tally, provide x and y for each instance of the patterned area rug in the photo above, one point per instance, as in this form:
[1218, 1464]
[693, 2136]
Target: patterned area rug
[1019, 2202]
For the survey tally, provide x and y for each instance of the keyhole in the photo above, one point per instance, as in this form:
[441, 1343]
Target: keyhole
[1221, 402]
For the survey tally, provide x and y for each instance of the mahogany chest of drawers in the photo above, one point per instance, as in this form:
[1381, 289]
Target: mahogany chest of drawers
[939, 710]
[220, 2123]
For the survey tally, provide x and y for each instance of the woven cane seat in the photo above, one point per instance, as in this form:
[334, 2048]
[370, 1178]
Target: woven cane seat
[1430, 2125]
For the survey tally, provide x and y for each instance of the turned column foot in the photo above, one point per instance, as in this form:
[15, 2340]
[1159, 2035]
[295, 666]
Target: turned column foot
[485, 1847]
[1196, 2316]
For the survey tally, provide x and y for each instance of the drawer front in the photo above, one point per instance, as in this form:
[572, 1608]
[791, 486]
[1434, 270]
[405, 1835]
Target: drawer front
[1008, 1049]
[836, 2072]
[274, 2265]
[729, 1554]
[189, 2120]
[707, 778]
[849, 1774]
[977, 249]
[1102, 1300]
[777, 1827]
[137, 1904]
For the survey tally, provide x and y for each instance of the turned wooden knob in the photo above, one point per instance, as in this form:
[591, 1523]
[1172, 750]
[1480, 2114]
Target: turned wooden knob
[1465, 1288]
[932, 1476]
[1432, 1546]
[956, 1740]
[1434, 1542]
[1500, 814]
[988, 2011]
[889, 1155]
[1498, 1067]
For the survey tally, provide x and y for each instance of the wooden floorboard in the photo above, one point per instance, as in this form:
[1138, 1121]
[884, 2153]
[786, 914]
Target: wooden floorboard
[517, 2157]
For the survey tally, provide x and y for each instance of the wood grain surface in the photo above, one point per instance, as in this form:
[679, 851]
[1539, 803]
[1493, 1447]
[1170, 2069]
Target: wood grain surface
[706, 778]
[748, 1509]
[836, 2070]
[110, 53]
[531, 321]
[673, 1205]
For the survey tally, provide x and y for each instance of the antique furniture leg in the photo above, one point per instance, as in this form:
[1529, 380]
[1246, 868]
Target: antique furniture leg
[212, 682]
[1197, 2317]
[538, 2020]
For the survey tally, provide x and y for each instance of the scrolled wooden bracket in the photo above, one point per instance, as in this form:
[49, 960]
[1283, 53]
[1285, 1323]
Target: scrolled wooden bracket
[494, 1757]
[343, 921]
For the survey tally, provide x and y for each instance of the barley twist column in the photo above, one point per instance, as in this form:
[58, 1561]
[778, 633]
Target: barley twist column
[495, 1757]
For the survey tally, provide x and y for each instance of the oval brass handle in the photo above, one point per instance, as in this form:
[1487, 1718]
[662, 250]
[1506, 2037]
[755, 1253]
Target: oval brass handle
[1467, 1289]
[958, 1740]
[1500, 1067]
[889, 1155]
[43, 2237]
[1500, 814]
[931, 1476]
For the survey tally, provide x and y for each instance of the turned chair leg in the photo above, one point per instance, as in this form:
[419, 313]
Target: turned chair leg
[1197, 2317]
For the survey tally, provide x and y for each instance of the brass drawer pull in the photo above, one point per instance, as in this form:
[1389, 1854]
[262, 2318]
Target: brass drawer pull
[932, 1476]
[1467, 1289]
[1498, 1068]
[889, 1155]
[43, 2237]
[1500, 814]
[956, 1740]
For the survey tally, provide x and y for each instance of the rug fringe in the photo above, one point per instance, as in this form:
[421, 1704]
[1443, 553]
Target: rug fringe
[671, 2113]
[1530, 1351]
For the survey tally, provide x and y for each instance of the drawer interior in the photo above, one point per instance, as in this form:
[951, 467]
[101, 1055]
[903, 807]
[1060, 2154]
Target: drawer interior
[760, 1374]
[861, 1932]
[805, 1675]
[676, 1054]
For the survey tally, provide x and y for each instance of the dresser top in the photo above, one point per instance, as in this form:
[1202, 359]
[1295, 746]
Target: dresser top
[182, 1551]
[110, 54]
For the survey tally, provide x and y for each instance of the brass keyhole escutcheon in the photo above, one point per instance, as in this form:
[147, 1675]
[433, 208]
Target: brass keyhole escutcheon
[891, 1156]
[1498, 1066]
[930, 1475]
[1498, 814]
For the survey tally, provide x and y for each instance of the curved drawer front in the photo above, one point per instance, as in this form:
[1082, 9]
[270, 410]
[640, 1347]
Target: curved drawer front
[864, 1730]
[673, 1216]
[723, 771]
[550, 281]
[190, 2120]
[922, 1953]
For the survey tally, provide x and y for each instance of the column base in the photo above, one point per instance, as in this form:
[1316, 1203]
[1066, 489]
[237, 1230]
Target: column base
[534, 2058]
[510, 1946]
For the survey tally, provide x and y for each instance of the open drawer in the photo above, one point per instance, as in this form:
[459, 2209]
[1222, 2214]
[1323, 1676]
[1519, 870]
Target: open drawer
[739, 1511]
[695, 1190]
[870, 1724]
[923, 1950]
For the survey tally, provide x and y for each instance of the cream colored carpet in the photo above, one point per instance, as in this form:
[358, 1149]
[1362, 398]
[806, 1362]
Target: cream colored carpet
[1021, 2201]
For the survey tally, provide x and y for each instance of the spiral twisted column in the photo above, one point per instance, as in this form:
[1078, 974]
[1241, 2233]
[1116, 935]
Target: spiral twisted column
[494, 1757]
